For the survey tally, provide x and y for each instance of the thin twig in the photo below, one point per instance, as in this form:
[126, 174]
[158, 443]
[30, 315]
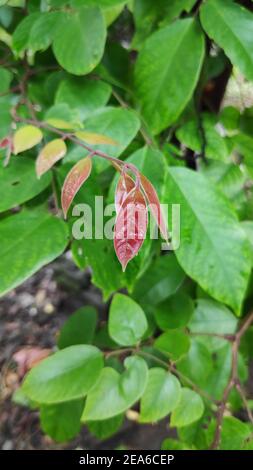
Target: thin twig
[233, 380]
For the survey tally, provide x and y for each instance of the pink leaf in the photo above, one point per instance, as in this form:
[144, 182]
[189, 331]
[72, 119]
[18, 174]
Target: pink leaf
[124, 186]
[49, 155]
[130, 227]
[28, 357]
[74, 180]
[154, 203]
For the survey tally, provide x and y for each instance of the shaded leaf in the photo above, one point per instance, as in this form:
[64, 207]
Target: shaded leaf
[175, 343]
[79, 328]
[61, 421]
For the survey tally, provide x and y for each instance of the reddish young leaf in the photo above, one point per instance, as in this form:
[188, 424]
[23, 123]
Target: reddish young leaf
[74, 180]
[154, 203]
[5, 142]
[130, 227]
[124, 186]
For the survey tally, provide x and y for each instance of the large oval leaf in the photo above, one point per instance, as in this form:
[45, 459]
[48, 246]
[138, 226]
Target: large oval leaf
[81, 46]
[213, 249]
[19, 182]
[114, 393]
[231, 27]
[167, 71]
[39, 238]
[64, 376]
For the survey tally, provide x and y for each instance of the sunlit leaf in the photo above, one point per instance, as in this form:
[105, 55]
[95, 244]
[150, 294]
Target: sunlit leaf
[26, 137]
[74, 180]
[96, 139]
[49, 155]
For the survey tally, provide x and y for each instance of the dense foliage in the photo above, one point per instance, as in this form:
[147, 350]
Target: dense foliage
[134, 86]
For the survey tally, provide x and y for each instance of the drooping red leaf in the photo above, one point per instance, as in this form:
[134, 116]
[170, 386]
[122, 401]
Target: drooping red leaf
[130, 227]
[5, 142]
[124, 186]
[74, 180]
[28, 357]
[154, 204]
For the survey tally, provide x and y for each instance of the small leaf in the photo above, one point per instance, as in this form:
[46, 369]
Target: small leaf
[174, 343]
[60, 123]
[74, 180]
[79, 328]
[155, 207]
[96, 139]
[189, 409]
[50, 154]
[66, 375]
[25, 138]
[130, 227]
[124, 186]
[127, 321]
[161, 396]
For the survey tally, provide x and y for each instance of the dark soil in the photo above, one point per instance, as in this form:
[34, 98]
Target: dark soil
[32, 315]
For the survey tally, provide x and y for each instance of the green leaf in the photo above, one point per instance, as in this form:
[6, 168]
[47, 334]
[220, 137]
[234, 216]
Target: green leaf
[231, 27]
[210, 232]
[127, 321]
[20, 39]
[175, 312]
[114, 393]
[160, 281]
[84, 95]
[64, 376]
[197, 364]
[5, 79]
[235, 434]
[61, 421]
[212, 317]
[119, 124]
[106, 428]
[173, 444]
[215, 148]
[163, 88]
[161, 396]
[148, 15]
[79, 328]
[44, 30]
[81, 46]
[189, 409]
[19, 182]
[39, 239]
[175, 343]
[62, 117]
[25, 138]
